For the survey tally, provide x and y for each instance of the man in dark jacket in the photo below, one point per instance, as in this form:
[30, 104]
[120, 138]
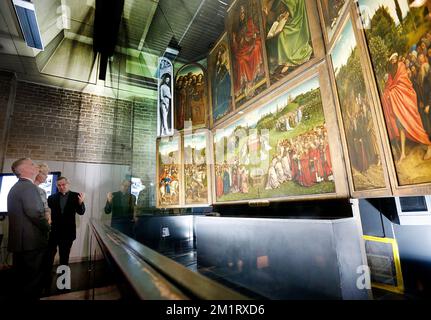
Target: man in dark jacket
[64, 205]
[122, 206]
[28, 230]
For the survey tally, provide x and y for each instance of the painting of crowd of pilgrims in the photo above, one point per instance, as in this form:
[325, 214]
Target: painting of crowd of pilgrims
[287, 36]
[399, 37]
[196, 168]
[278, 150]
[190, 96]
[360, 131]
[220, 80]
[169, 171]
[331, 10]
[247, 50]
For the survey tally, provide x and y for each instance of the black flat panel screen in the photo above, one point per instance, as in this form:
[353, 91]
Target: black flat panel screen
[7, 180]
[413, 204]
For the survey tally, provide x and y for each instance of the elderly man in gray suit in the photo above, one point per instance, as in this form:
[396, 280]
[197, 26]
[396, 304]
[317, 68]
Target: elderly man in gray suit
[28, 230]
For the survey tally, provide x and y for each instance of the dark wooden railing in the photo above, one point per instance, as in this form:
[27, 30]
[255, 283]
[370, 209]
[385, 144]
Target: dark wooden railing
[153, 276]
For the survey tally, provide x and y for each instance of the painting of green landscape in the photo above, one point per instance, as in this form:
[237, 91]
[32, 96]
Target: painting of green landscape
[277, 150]
[398, 33]
[360, 132]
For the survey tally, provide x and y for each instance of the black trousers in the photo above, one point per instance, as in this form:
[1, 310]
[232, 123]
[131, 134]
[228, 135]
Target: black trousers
[28, 269]
[64, 246]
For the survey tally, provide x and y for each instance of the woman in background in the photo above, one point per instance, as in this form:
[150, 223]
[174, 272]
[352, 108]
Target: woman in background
[41, 178]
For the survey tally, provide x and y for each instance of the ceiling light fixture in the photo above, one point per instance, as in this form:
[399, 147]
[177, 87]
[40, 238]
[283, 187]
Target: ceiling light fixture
[106, 28]
[26, 15]
[172, 50]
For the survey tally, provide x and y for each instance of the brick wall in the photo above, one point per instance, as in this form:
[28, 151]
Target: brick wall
[144, 145]
[64, 125]
[6, 80]
[5, 86]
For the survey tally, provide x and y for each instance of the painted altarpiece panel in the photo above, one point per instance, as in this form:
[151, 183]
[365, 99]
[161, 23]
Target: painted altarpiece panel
[288, 38]
[398, 36]
[169, 178]
[220, 81]
[165, 108]
[191, 96]
[331, 12]
[197, 173]
[364, 151]
[246, 43]
[280, 149]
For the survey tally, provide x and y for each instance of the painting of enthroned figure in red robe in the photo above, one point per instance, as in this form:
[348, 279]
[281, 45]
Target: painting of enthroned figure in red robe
[247, 50]
[398, 33]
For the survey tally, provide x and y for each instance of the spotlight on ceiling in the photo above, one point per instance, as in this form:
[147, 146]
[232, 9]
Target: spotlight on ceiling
[26, 15]
[106, 28]
[172, 50]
